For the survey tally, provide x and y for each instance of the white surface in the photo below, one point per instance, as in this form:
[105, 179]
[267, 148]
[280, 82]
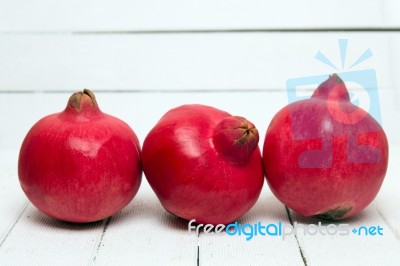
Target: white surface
[261, 250]
[192, 61]
[144, 15]
[142, 58]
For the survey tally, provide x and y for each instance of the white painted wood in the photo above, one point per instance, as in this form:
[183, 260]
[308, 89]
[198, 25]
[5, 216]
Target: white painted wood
[388, 199]
[395, 65]
[158, 62]
[144, 233]
[39, 240]
[351, 249]
[47, 15]
[222, 249]
[12, 200]
[391, 9]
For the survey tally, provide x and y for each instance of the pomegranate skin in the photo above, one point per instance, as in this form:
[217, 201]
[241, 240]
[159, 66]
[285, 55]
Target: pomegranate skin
[195, 178]
[324, 156]
[80, 165]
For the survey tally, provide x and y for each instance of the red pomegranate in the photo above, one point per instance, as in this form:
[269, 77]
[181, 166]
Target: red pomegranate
[324, 156]
[80, 165]
[204, 164]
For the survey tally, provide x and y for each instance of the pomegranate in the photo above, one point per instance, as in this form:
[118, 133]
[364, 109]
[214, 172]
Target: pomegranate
[204, 164]
[80, 165]
[324, 156]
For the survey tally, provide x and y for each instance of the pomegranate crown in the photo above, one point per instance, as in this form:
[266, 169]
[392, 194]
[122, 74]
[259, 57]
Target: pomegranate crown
[332, 88]
[235, 139]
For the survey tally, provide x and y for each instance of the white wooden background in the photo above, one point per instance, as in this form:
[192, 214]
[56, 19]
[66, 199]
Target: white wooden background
[142, 58]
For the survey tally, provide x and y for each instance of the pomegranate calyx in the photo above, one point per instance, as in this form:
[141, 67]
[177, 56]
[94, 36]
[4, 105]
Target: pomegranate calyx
[235, 139]
[332, 89]
[83, 100]
[247, 133]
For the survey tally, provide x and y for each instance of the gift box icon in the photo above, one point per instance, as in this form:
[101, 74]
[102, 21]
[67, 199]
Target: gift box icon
[367, 87]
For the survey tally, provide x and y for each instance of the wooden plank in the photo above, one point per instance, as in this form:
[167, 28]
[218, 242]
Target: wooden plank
[395, 65]
[39, 240]
[222, 249]
[391, 12]
[46, 15]
[12, 201]
[220, 61]
[388, 199]
[144, 233]
[352, 249]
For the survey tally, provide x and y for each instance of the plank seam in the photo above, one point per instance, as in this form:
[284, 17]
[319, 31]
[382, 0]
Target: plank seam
[99, 90]
[198, 248]
[295, 235]
[105, 225]
[166, 91]
[12, 227]
[205, 31]
[227, 31]
[391, 228]
[198, 255]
